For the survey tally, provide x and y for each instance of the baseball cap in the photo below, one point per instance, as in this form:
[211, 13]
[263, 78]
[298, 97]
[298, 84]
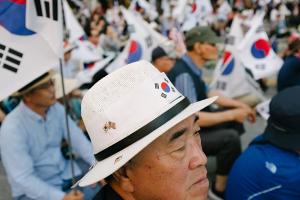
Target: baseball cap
[202, 34]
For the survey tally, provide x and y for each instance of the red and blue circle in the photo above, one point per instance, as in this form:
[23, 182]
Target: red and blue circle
[135, 52]
[165, 87]
[227, 63]
[13, 16]
[260, 49]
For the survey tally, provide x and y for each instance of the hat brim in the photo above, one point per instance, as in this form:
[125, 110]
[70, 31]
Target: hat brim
[215, 40]
[29, 87]
[109, 165]
[70, 85]
[282, 139]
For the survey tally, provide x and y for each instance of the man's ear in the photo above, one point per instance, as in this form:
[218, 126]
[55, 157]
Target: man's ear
[121, 177]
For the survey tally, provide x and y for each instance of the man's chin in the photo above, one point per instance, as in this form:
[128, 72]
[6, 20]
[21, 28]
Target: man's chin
[199, 196]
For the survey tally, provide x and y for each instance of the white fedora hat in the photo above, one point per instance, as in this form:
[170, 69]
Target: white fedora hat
[127, 110]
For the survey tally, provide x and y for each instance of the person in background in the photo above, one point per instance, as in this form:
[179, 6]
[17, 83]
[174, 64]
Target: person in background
[93, 43]
[71, 67]
[221, 126]
[30, 142]
[161, 60]
[289, 74]
[270, 166]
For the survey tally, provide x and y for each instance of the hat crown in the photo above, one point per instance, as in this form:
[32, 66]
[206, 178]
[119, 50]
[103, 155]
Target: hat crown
[285, 108]
[201, 34]
[125, 101]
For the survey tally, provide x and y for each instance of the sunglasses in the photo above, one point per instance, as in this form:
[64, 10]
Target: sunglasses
[46, 85]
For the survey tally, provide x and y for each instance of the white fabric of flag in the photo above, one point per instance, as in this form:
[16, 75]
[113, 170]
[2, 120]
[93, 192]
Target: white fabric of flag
[256, 53]
[83, 53]
[230, 77]
[180, 10]
[24, 53]
[73, 27]
[263, 109]
[143, 39]
[149, 9]
[45, 18]
[121, 59]
[197, 13]
[86, 75]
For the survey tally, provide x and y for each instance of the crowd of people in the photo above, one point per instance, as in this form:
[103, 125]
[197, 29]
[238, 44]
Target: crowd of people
[145, 130]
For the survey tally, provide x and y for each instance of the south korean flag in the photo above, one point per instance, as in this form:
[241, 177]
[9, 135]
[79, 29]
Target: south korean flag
[255, 51]
[45, 18]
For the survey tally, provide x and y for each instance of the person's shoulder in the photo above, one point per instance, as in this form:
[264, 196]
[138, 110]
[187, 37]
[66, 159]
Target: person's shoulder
[58, 107]
[12, 119]
[292, 60]
[178, 67]
[179, 62]
[11, 127]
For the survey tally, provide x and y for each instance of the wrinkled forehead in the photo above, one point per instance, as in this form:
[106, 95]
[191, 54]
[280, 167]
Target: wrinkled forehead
[176, 131]
[161, 144]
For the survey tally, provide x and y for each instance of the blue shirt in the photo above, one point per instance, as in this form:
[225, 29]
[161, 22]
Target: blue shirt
[265, 172]
[31, 155]
[184, 82]
[289, 74]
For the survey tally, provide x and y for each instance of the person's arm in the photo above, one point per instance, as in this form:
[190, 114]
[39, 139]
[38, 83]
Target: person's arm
[207, 119]
[19, 166]
[185, 85]
[227, 102]
[80, 144]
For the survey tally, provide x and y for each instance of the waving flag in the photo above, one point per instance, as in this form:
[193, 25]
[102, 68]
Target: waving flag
[24, 53]
[198, 14]
[179, 11]
[83, 53]
[45, 18]
[73, 27]
[230, 77]
[150, 9]
[255, 51]
[86, 75]
[143, 39]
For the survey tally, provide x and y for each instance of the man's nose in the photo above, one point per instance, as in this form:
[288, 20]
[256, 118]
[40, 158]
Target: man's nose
[198, 158]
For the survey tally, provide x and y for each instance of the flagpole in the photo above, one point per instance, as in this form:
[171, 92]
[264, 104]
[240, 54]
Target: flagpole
[65, 102]
[66, 105]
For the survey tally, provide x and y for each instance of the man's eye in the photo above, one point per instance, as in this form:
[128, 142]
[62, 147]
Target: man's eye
[197, 133]
[181, 148]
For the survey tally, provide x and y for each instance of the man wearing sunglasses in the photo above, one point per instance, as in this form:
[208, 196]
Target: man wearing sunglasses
[30, 141]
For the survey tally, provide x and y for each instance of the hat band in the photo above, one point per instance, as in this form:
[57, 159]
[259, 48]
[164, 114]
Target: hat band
[143, 131]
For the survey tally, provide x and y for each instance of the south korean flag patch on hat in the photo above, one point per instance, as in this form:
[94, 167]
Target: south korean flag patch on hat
[166, 89]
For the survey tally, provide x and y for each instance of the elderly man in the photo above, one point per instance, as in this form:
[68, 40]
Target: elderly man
[221, 128]
[144, 136]
[30, 141]
[270, 166]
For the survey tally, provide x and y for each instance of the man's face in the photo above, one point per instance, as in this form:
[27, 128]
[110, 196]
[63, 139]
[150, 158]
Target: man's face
[208, 51]
[94, 37]
[43, 95]
[164, 64]
[171, 167]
